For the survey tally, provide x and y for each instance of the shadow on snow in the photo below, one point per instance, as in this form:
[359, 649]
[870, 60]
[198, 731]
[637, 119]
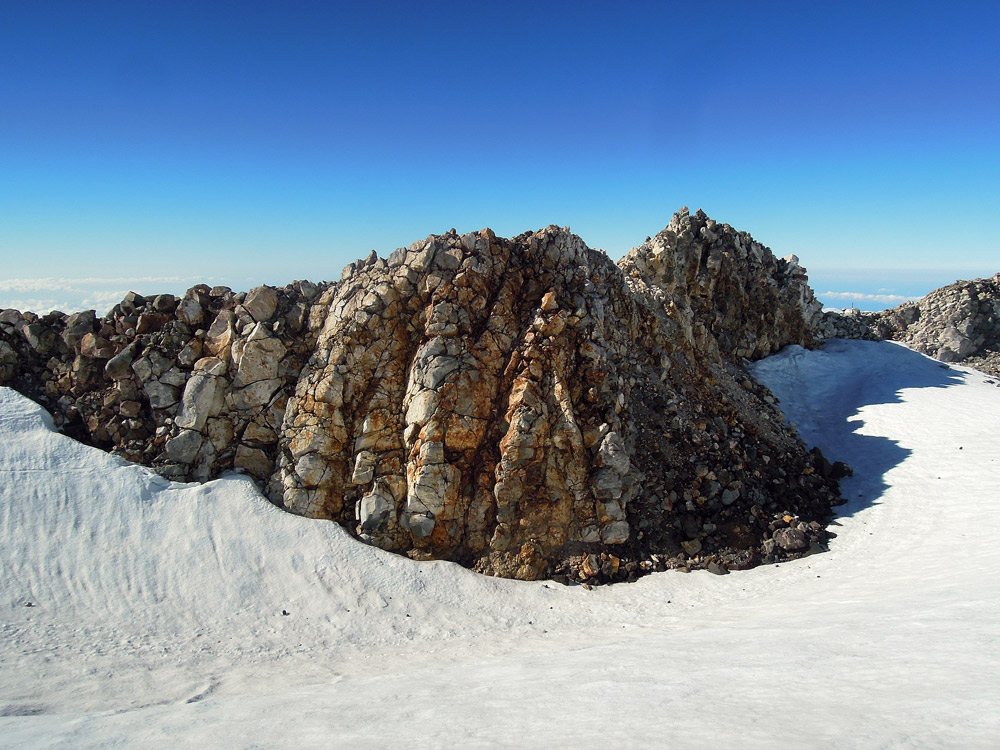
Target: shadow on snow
[824, 393]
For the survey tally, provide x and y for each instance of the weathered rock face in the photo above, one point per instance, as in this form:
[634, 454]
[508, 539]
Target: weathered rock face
[523, 406]
[194, 387]
[956, 323]
[730, 295]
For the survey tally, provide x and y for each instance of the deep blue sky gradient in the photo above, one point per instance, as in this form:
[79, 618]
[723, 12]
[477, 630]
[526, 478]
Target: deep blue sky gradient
[274, 141]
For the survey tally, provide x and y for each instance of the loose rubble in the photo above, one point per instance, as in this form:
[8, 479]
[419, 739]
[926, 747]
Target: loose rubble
[193, 387]
[523, 406]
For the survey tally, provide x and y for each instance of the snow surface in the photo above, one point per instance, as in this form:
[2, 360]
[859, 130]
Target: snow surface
[157, 607]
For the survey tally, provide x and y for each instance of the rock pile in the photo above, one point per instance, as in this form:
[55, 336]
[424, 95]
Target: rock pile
[193, 386]
[956, 323]
[731, 296]
[523, 406]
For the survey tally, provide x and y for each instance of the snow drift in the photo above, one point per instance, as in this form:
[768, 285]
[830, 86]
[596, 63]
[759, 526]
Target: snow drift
[157, 612]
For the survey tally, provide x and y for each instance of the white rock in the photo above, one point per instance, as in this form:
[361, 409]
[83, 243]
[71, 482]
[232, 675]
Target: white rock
[261, 302]
[203, 394]
[312, 469]
[374, 509]
[364, 467]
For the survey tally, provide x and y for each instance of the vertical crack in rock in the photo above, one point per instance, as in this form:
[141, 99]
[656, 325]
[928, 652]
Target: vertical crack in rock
[523, 406]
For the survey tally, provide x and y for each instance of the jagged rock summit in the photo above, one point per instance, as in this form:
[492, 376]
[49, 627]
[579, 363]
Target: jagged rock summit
[523, 406]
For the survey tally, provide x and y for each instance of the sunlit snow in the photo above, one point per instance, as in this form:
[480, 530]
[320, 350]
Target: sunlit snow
[141, 613]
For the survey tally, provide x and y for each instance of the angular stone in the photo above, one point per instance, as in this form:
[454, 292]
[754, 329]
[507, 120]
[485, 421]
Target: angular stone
[149, 322]
[364, 468]
[308, 289]
[77, 326]
[221, 334]
[143, 369]
[129, 409]
[253, 461]
[422, 407]
[259, 361]
[190, 312]
[7, 353]
[183, 447]
[549, 302]
[613, 454]
[255, 395]
[607, 484]
[615, 533]
[220, 433]
[691, 547]
[432, 488]
[261, 302]
[203, 394]
[9, 317]
[160, 395]
[40, 337]
[133, 301]
[421, 525]
[374, 510]
[190, 354]
[260, 434]
[312, 469]
[164, 303]
[790, 539]
[173, 377]
[119, 367]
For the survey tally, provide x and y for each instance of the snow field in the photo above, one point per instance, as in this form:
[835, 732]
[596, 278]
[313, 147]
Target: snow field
[157, 617]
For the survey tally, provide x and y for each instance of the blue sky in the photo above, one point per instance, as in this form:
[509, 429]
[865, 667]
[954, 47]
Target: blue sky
[252, 142]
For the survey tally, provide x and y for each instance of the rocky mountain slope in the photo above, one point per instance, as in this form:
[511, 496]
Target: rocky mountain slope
[523, 406]
[956, 323]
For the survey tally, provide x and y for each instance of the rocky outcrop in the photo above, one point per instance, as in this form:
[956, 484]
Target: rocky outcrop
[731, 296]
[523, 406]
[956, 323]
[193, 386]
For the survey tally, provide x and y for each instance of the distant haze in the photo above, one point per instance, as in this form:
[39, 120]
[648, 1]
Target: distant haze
[882, 288]
[866, 290]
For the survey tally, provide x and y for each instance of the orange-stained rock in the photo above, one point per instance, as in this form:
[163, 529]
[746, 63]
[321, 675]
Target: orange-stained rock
[524, 406]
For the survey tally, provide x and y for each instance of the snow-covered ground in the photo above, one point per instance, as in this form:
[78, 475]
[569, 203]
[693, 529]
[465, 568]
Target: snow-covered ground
[156, 614]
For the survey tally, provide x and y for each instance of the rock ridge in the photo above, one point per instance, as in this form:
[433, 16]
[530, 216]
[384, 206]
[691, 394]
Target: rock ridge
[957, 323]
[523, 406]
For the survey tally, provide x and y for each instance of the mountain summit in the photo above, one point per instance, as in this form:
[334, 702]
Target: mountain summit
[523, 406]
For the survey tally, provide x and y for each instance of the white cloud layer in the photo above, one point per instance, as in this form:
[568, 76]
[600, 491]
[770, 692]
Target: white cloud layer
[41, 295]
[865, 297]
